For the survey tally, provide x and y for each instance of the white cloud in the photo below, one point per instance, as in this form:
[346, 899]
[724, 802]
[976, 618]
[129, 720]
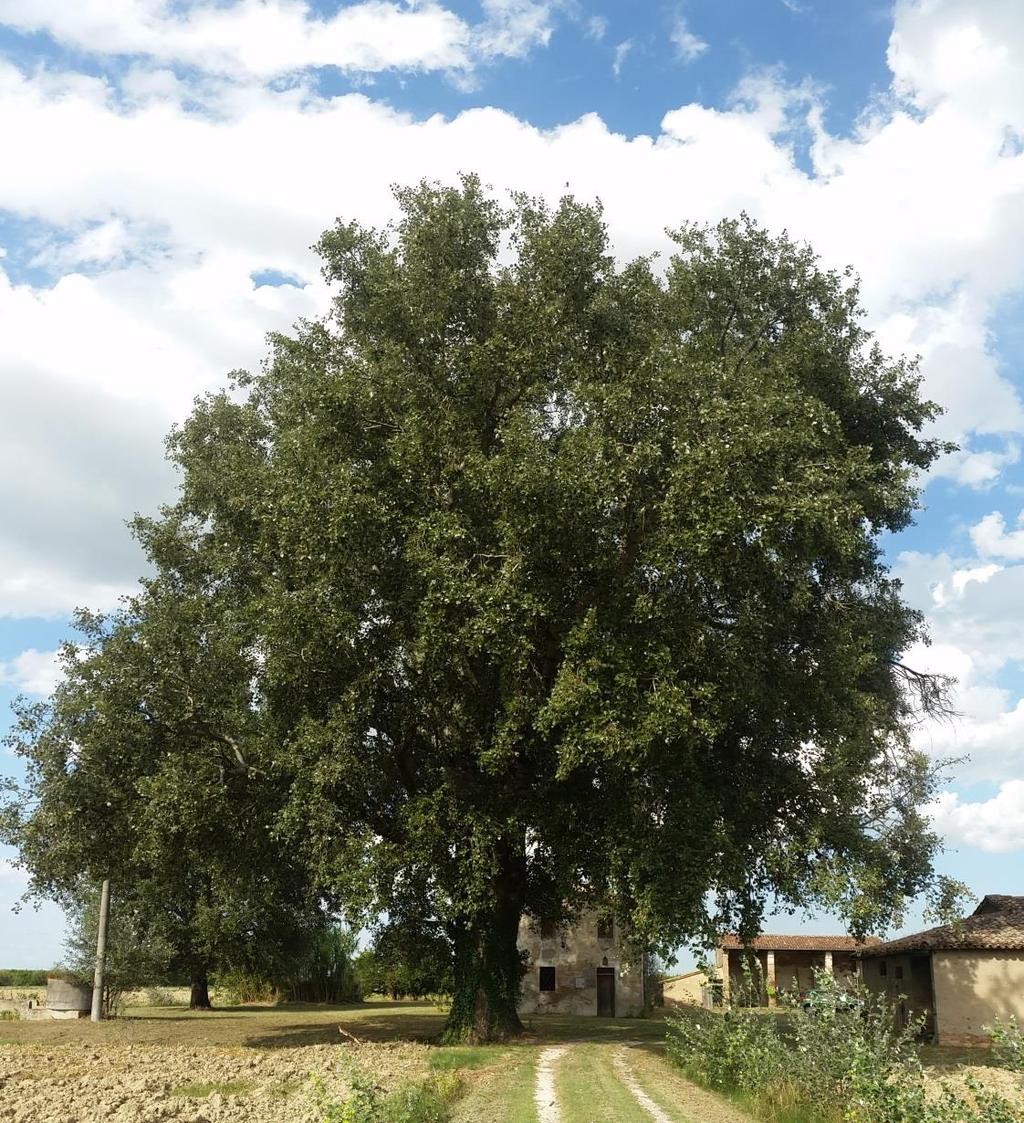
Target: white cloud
[995, 825]
[596, 28]
[264, 38]
[513, 27]
[34, 672]
[622, 51]
[992, 540]
[967, 50]
[976, 469]
[689, 47]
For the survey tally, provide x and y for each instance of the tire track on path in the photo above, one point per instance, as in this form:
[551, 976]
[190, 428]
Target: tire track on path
[625, 1074]
[544, 1096]
[685, 1099]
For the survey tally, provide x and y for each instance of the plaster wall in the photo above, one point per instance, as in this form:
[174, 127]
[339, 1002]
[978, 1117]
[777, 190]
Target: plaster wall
[972, 988]
[686, 990]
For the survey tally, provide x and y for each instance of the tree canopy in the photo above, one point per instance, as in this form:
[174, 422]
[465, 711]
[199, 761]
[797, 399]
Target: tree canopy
[557, 582]
[136, 772]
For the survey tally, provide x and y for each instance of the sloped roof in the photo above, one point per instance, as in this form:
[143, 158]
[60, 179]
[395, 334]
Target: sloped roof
[997, 924]
[732, 942]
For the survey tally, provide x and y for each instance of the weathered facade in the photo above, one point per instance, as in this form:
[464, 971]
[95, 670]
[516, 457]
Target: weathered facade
[578, 970]
[756, 972]
[958, 977]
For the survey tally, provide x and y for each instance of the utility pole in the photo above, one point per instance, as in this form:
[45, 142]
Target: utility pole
[101, 952]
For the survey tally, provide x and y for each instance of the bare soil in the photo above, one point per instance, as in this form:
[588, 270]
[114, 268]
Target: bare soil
[109, 1083]
[227, 1066]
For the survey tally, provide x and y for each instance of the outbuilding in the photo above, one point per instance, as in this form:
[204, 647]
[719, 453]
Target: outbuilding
[959, 976]
[755, 971]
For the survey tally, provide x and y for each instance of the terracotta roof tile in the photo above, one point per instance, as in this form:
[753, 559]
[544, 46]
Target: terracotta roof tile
[732, 942]
[997, 924]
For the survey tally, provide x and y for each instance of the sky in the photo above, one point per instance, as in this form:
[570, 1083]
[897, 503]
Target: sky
[165, 165]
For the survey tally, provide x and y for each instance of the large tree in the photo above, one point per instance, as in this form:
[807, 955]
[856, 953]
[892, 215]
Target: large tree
[565, 581]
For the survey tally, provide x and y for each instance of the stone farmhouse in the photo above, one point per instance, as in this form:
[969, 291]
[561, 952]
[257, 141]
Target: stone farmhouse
[581, 970]
[958, 976]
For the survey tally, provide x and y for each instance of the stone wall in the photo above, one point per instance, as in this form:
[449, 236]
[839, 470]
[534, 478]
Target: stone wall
[575, 954]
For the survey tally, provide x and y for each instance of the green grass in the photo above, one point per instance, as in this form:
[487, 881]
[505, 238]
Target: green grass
[201, 1091]
[504, 1096]
[589, 1091]
[453, 1057]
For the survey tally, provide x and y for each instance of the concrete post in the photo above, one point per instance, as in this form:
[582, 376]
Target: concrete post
[770, 979]
[101, 952]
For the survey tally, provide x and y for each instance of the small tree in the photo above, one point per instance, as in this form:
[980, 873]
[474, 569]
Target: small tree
[134, 959]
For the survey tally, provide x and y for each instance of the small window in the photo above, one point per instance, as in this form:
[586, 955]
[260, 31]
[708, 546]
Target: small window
[606, 929]
[899, 970]
[883, 967]
[547, 978]
[548, 929]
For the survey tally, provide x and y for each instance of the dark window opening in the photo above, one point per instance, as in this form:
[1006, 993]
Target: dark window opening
[899, 971]
[606, 929]
[548, 929]
[883, 967]
[547, 978]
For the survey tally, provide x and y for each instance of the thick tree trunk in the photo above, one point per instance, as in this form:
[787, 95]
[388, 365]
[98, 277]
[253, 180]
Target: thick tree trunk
[488, 970]
[200, 997]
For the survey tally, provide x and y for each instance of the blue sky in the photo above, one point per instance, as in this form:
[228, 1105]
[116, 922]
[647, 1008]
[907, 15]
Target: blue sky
[166, 167]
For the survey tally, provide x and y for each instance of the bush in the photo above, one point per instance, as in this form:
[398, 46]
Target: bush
[158, 996]
[428, 1101]
[237, 988]
[17, 979]
[1007, 1044]
[842, 1059]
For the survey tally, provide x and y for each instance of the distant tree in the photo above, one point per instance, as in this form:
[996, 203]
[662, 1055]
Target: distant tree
[323, 970]
[137, 769]
[407, 961]
[560, 583]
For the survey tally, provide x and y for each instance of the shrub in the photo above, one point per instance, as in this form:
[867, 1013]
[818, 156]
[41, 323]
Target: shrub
[1007, 1043]
[843, 1058]
[237, 988]
[18, 979]
[428, 1101]
[158, 996]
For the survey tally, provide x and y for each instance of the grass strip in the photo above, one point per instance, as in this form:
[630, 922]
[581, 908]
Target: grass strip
[588, 1090]
[504, 1095]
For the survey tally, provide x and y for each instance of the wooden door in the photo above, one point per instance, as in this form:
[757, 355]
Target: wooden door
[606, 992]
